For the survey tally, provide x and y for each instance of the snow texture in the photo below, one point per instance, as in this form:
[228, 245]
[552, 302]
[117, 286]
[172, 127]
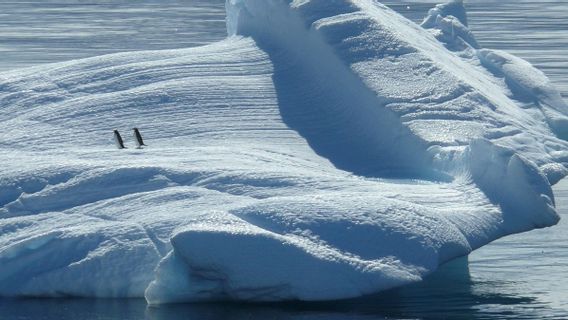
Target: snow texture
[324, 150]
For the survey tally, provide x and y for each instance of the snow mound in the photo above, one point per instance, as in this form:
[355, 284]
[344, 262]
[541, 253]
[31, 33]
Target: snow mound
[325, 150]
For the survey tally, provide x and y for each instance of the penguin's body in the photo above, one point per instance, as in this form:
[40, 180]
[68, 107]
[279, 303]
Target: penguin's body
[138, 138]
[118, 140]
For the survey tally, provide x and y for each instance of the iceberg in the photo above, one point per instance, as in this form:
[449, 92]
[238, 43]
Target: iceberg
[324, 150]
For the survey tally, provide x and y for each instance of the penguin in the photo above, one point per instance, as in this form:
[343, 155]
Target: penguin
[118, 140]
[138, 138]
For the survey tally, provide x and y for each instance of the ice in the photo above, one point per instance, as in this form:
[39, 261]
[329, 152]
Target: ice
[453, 9]
[530, 84]
[324, 150]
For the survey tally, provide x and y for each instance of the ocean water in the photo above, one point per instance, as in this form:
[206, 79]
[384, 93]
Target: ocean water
[518, 277]
[42, 31]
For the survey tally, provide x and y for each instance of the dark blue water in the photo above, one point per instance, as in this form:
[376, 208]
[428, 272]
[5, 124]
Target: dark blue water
[518, 277]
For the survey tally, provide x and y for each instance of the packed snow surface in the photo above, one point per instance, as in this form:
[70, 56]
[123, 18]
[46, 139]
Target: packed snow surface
[324, 150]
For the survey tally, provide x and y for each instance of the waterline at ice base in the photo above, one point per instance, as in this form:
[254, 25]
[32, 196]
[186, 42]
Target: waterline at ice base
[325, 150]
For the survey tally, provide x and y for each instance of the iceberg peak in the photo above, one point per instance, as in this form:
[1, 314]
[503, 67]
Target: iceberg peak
[453, 8]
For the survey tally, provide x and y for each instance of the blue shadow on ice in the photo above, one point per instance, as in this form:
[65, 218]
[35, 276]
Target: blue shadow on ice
[450, 293]
[338, 115]
[344, 122]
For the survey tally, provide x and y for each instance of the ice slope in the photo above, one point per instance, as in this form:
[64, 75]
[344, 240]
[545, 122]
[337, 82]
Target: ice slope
[325, 150]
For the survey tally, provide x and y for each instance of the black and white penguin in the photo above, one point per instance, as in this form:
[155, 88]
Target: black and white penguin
[138, 138]
[118, 140]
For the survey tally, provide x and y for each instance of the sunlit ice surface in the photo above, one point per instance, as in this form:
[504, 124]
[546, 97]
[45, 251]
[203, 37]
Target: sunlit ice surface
[507, 48]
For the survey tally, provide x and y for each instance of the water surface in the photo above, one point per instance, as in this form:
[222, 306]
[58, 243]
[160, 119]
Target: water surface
[43, 31]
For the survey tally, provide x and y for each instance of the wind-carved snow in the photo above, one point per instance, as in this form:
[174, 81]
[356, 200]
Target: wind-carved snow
[325, 150]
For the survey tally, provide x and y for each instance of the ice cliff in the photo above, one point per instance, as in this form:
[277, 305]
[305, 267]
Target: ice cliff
[326, 149]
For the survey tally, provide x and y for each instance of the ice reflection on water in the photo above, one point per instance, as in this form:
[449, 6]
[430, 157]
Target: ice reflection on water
[451, 293]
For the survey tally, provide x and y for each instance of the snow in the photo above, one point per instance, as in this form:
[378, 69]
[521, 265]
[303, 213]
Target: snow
[530, 84]
[324, 150]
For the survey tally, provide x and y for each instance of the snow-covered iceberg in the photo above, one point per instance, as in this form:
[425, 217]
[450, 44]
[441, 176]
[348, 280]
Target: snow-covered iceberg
[324, 150]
